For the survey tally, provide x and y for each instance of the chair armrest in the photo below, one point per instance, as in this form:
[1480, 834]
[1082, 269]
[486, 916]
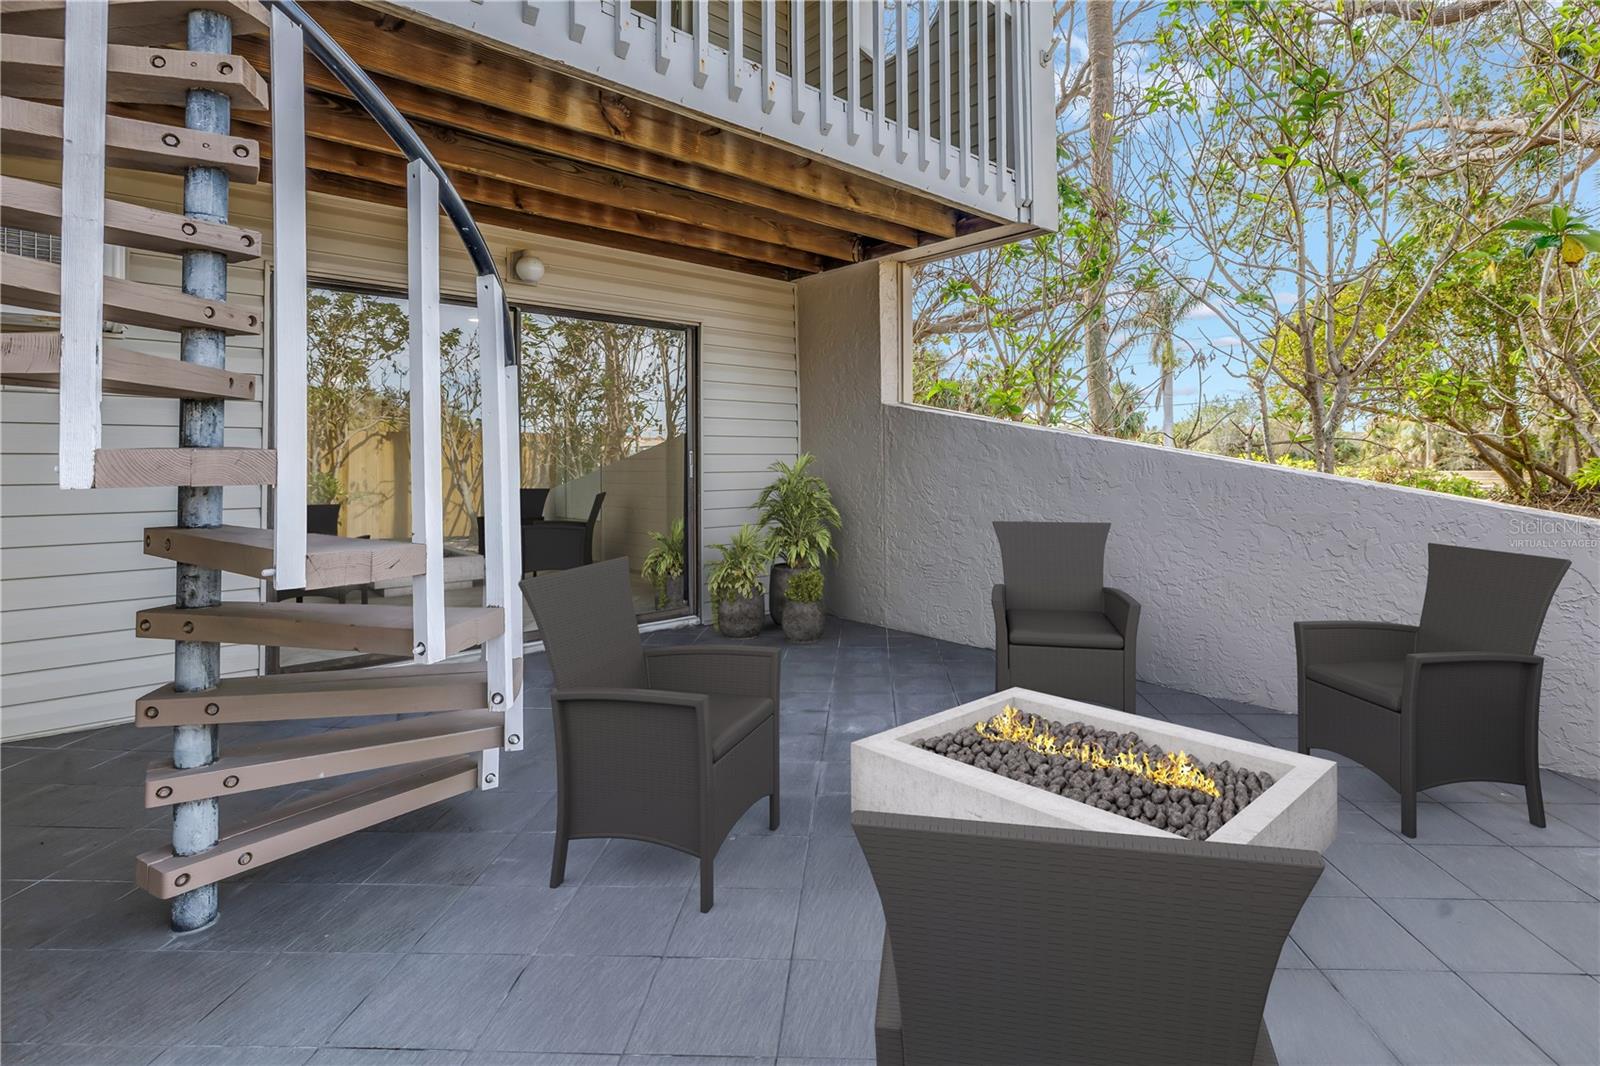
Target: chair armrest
[1336, 642]
[1123, 610]
[656, 697]
[1438, 684]
[615, 711]
[729, 671]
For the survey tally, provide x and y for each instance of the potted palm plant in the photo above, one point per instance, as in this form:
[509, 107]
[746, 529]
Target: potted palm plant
[802, 615]
[663, 565]
[799, 513]
[734, 582]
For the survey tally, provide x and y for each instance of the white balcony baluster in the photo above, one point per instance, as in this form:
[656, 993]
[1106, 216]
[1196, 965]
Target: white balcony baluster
[985, 97]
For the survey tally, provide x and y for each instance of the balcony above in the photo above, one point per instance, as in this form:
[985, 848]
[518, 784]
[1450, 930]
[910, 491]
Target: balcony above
[908, 125]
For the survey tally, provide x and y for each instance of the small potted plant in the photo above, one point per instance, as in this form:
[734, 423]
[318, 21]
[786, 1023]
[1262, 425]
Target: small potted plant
[802, 615]
[322, 501]
[734, 582]
[798, 511]
[663, 566]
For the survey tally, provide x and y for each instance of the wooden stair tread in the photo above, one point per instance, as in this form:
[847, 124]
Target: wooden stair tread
[414, 689]
[37, 206]
[31, 67]
[147, 468]
[32, 128]
[330, 560]
[35, 359]
[29, 282]
[305, 823]
[140, 21]
[376, 629]
[329, 753]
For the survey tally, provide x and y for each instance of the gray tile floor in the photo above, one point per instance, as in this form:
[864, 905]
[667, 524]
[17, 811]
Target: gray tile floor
[434, 938]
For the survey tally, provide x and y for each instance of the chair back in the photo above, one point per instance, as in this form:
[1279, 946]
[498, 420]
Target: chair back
[1057, 566]
[1490, 601]
[532, 504]
[1021, 944]
[588, 535]
[585, 617]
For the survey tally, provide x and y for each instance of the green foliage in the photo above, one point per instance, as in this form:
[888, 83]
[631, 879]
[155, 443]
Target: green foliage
[322, 486]
[1573, 236]
[744, 560]
[1588, 476]
[798, 510]
[805, 586]
[665, 560]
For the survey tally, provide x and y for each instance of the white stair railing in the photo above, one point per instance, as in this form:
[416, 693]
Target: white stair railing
[427, 448]
[83, 200]
[289, 301]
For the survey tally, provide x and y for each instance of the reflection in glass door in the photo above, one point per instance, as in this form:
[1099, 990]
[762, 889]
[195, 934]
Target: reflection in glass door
[606, 429]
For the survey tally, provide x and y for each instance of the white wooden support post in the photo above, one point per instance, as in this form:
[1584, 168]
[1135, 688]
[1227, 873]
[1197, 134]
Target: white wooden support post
[83, 257]
[501, 476]
[880, 95]
[702, 41]
[797, 62]
[736, 76]
[289, 302]
[903, 136]
[427, 505]
[852, 59]
[924, 58]
[984, 90]
[963, 10]
[769, 56]
[825, 66]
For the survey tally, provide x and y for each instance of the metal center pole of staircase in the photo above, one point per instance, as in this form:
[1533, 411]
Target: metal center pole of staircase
[197, 665]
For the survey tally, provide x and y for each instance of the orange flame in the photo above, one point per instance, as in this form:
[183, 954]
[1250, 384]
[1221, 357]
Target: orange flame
[1170, 770]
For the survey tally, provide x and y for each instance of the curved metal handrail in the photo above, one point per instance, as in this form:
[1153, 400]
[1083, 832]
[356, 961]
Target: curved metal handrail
[388, 117]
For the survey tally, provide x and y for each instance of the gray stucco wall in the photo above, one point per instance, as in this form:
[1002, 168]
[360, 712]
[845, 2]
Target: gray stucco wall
[1224, 554]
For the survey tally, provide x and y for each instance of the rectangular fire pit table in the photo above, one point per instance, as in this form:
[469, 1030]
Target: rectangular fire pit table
[888, 774]
[1107, 940]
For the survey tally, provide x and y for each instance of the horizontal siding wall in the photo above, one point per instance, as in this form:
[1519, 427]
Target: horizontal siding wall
[72, 567]
[72, 572]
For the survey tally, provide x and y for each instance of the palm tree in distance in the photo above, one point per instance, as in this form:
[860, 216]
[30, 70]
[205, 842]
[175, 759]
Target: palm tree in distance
[1160, 310]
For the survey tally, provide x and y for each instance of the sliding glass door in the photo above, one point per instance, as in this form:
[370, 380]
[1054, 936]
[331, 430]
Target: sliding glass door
[607, 430]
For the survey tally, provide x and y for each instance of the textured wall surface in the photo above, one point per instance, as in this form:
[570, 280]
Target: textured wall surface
[1223, 554]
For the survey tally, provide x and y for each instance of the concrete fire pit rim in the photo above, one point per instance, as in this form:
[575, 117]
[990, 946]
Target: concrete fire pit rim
[1293, 773]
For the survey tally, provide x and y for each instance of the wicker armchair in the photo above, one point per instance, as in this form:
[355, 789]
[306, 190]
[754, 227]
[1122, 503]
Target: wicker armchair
[1454, 698]
[1057, 629]
[1009, 945]
[669, 745]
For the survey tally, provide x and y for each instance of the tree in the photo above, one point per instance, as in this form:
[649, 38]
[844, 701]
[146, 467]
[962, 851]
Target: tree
[354, 350]
[1102, 214]
[1161, 309]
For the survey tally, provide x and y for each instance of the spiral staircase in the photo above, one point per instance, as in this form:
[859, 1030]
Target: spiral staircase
[457, 704]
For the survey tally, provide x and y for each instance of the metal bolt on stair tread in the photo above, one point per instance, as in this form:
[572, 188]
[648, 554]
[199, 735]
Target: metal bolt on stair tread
[152, 712]
[513, 739]
[488, 779]
[420, 649]
[244, 859]
[231, 781]
[497, 699]
[163, 792]
[212, 709]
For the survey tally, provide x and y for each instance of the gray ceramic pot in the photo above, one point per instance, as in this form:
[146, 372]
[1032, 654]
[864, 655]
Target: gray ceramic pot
[779, 590]
[671, 592]
[802, 622]
[740, 618]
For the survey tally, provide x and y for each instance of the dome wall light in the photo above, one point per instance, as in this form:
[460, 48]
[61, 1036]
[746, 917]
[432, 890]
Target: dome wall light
[527, 267]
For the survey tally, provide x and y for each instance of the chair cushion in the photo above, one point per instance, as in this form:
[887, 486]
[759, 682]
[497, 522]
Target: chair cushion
[1374, 680]
[1062, 629]
[732, 718]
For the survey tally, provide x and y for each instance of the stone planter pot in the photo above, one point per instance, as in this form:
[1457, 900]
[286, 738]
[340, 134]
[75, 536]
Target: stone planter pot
[671, 592]
[802, 622]
[778, 594]
[740, 618]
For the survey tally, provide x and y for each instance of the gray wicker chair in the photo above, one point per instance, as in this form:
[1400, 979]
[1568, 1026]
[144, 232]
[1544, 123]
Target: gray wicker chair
[670, 745]
[1057, 628]
[558, 543]
[1026, 946]
[1454, 698]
